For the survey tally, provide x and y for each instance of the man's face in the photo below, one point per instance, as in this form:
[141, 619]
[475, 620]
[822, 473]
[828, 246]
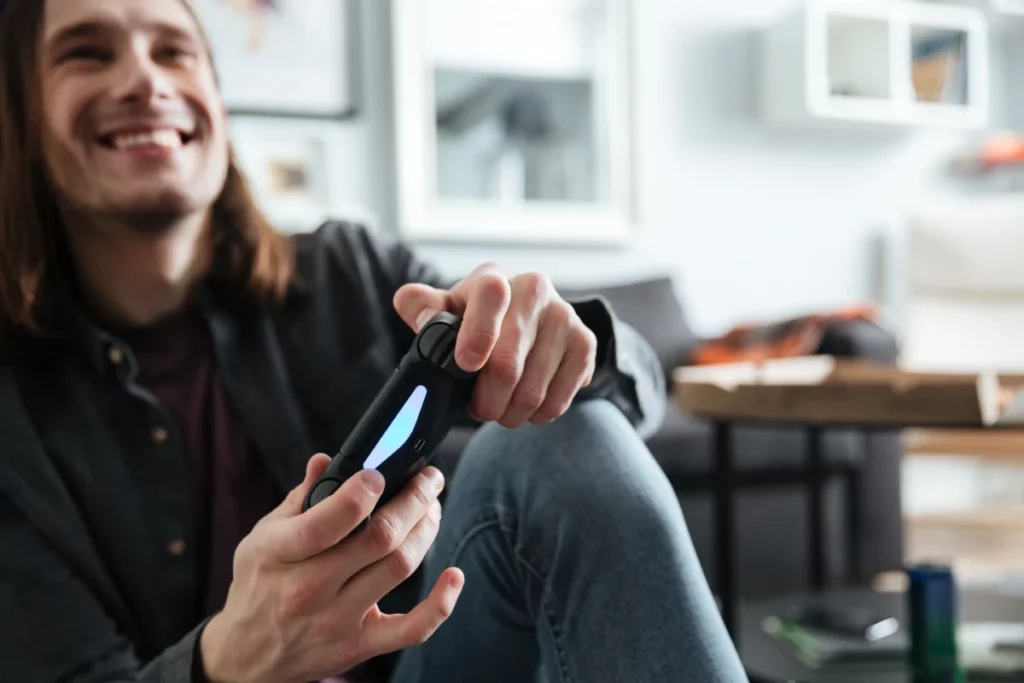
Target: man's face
[134, 124]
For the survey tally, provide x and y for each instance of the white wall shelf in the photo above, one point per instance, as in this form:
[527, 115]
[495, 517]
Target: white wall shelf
[876, 63]
[1005, 17]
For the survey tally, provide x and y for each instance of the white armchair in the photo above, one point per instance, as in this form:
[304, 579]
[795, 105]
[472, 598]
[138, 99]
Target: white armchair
[963, 304]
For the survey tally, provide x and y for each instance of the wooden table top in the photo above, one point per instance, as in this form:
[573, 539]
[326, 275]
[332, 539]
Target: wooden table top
[939, 413]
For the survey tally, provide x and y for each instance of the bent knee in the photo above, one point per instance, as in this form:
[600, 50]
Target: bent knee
[591, 448]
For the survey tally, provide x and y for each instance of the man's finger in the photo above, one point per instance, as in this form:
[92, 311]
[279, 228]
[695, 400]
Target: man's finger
[575, 370]
[484, 297]
[292, 504]
[365, 589]
[389, 528]
[392, 523]
[417, 303]
[542, 363]
[392, 632]
[329, 521]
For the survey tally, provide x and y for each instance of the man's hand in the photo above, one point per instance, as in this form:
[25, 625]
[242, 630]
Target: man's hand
[303, 602]
[533, 352]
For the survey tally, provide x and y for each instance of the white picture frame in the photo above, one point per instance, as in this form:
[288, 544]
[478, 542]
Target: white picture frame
[423, 214]
[294, 58]
[296, 171]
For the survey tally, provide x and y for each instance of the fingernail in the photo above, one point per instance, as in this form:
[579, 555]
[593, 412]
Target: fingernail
[374, 481]
[468, 360]
[424, 318]
[436, 478]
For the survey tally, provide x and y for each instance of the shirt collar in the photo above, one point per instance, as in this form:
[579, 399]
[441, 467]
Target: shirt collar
[104, 349]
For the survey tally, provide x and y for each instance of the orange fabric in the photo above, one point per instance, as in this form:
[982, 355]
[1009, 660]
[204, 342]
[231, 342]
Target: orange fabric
[800, 336]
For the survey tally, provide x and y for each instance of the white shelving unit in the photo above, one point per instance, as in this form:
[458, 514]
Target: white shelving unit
[868, 63]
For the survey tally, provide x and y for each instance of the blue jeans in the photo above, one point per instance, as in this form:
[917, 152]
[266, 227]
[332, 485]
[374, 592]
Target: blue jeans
[579, 567]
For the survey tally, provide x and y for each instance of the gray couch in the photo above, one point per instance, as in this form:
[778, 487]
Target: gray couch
[771, 516]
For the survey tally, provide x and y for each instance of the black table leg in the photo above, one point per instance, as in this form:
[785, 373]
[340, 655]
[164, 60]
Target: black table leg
[725, 524]
[816, 507]
[853, 521]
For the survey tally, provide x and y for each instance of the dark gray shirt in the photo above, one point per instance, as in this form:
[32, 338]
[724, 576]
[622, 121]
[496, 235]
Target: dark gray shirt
[98, 581]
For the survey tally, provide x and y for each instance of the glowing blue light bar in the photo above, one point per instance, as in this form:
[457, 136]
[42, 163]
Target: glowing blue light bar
[399, 431]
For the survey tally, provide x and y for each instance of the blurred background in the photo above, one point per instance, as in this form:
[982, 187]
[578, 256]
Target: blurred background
[765, 158]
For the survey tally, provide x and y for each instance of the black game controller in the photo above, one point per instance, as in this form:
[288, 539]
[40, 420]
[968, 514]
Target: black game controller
[408, 419]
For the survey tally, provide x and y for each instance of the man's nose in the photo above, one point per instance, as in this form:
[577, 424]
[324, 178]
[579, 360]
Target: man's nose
[140, 78]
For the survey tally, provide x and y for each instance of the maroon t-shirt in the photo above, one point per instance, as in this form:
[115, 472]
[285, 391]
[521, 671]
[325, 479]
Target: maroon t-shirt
[230, 486]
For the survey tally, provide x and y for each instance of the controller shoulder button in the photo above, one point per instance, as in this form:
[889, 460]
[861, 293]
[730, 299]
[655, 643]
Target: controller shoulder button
[432, 341]
[323, 490]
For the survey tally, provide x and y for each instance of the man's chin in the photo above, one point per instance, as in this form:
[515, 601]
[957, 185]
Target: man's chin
[154, 213]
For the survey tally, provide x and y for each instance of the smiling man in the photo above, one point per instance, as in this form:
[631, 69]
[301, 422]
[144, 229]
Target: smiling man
[170, 364]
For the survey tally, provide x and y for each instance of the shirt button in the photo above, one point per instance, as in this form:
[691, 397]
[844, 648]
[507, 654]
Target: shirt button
[160, 435]
[115, 355]
[176, 547]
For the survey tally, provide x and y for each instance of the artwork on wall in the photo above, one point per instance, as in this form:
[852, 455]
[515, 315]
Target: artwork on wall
[296, 171]
[500, 143]
[295, 58]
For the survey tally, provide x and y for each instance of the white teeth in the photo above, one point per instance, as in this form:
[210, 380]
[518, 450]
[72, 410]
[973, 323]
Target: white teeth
[162, 138]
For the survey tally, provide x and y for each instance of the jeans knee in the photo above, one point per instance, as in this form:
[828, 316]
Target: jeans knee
[591, 456]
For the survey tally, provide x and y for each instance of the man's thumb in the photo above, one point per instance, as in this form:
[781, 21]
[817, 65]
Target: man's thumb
[417, 304]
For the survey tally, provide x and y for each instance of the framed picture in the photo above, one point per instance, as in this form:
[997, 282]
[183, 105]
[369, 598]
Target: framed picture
[295, 58]
[296, 171]
[497, 143]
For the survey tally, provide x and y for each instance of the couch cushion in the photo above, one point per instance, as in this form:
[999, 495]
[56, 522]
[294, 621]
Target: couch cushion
[683, 446]
[653, 309]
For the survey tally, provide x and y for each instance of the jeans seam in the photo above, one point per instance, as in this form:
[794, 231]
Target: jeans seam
[490, 518]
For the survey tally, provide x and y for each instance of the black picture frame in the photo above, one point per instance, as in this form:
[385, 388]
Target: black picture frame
[351, 16]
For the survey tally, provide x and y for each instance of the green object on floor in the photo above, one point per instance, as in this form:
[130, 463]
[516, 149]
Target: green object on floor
[817, 650]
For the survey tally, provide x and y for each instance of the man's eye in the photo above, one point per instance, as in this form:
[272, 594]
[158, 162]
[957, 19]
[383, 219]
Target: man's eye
[86, 53]
[174, 53]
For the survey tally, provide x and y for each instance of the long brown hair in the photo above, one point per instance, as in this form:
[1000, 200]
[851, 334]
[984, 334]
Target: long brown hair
[254, 260]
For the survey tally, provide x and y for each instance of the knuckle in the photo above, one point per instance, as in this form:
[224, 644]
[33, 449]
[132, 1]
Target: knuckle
[383, 533]
[420, 633]
[421, 492]
[486, 412]
[354, 508]
[506, 366]
[585, 339]
[529, 398]
[307, 538]
[553, 410]
[495, 283]
[486, 337]
[445, 609]
[560, 313]
[534, 287]
[402, 562]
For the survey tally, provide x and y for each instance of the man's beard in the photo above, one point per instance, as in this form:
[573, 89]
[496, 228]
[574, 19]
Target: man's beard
[154, 213]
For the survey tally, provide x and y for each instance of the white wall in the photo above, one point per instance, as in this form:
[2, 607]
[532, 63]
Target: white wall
[1015, 80]
[753, 222]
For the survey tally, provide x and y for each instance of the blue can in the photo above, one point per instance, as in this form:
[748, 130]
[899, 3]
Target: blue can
[932, 612]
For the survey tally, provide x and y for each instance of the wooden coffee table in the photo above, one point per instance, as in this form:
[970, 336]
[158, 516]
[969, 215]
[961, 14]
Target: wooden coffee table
[819, 394]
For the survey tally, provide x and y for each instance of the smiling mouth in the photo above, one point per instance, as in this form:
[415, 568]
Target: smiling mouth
[163, 138]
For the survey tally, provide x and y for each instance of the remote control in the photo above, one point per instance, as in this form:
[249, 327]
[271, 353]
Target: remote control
[409, 418]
